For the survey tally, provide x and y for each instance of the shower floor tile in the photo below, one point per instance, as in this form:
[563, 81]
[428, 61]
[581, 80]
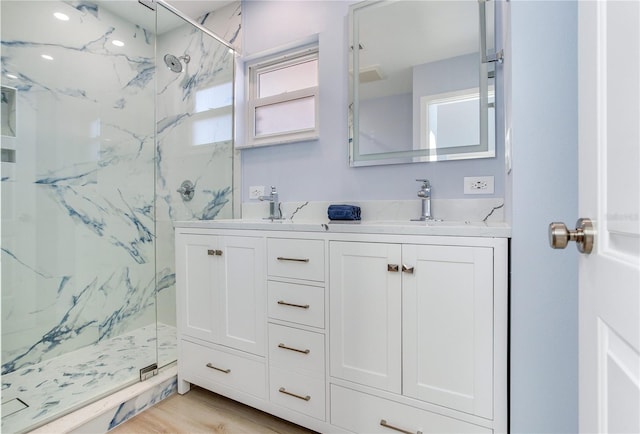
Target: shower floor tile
[65, 383]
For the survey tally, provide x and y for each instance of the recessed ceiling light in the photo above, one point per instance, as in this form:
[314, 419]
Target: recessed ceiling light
[117, 43]
[46, 56]
[11, 76]
[61, 16]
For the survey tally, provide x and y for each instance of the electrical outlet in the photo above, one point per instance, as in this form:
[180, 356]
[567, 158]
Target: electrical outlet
[478, 185]
[256, 191]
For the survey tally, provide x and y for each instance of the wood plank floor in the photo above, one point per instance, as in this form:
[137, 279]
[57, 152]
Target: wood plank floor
[201, 411]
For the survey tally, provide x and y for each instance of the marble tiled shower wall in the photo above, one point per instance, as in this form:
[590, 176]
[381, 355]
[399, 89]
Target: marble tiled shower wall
[83, 242]
[78, 259]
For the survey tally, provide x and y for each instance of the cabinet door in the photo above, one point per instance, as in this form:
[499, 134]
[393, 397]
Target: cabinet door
[241, 294]
[196, 273]
[448, 326]
[365, 300]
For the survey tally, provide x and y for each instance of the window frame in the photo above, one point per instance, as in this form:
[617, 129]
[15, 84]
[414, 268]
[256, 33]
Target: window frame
[273, 63]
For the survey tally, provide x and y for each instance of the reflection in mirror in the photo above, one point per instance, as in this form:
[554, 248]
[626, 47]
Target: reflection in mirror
[422, 92]
[8, 115]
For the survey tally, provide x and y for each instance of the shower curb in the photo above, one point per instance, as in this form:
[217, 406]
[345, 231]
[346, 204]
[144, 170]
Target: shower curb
[111, 411]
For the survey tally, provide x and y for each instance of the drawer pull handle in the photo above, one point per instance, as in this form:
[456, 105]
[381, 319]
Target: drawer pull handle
[304, 398]
[301, 306]
[226, 371]
[212, 252]
[406, 269]
[283, 346]
[385, 424]
[281, 258]
[394, 268]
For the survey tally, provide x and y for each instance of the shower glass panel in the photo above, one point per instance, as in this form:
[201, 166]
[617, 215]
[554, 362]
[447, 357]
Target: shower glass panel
[78, 225]
[194, 136]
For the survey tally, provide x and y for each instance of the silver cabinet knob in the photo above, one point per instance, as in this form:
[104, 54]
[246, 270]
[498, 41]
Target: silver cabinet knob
[583, 235]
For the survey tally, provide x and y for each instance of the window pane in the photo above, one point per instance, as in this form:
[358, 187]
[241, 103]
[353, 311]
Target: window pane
[212, 130]
[214, 97]
[288, 79]
[454, 123]
[298, 114]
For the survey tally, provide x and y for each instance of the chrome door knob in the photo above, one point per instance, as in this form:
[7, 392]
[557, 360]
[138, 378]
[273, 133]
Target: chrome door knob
[583, 235]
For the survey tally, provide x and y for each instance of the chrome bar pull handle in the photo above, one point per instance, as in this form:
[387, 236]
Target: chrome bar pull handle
[281, 258]
[301, 306]
[394, 268]
[406, 269]
[284, 347]
[385, 424]
[286, 392]
[226, 371]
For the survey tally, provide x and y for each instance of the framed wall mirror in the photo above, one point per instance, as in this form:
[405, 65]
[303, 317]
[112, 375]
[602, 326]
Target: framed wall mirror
[424, 87]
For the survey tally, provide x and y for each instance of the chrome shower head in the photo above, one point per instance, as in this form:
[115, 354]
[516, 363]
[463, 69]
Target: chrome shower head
[173, 62]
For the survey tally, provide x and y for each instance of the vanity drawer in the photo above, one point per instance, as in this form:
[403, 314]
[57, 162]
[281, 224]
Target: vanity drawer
[297, 392]
[296, 350]
[207, 367]
[301, 304]
[364, 413]
[297, 259]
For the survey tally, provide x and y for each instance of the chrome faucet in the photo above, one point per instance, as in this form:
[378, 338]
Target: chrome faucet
[274, 205]
[425, 194]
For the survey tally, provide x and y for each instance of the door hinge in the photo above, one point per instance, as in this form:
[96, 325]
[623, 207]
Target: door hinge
[148, 371]
[495, 57]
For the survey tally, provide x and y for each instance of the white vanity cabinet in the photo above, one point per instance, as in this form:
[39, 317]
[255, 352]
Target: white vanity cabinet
[345, 329]
[420, 321]
[220, 310]
[414, 319]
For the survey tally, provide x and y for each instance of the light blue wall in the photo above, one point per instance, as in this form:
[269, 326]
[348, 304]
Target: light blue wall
[542, 187]
[544, 296]
[386, 124]
[319, 170]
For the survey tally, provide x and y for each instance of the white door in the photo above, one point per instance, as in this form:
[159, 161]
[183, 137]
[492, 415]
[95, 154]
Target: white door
[242, 294]
[196, 265]
[609, 162]
[447, 333]
[366, 313]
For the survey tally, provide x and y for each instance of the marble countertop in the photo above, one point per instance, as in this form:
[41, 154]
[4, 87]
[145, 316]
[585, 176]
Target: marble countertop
[399, 227]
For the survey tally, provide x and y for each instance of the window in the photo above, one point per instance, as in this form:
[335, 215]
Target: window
[283, 99]
[450, 120]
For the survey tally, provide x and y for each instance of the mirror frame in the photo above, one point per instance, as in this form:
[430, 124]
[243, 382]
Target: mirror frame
[486, 70]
